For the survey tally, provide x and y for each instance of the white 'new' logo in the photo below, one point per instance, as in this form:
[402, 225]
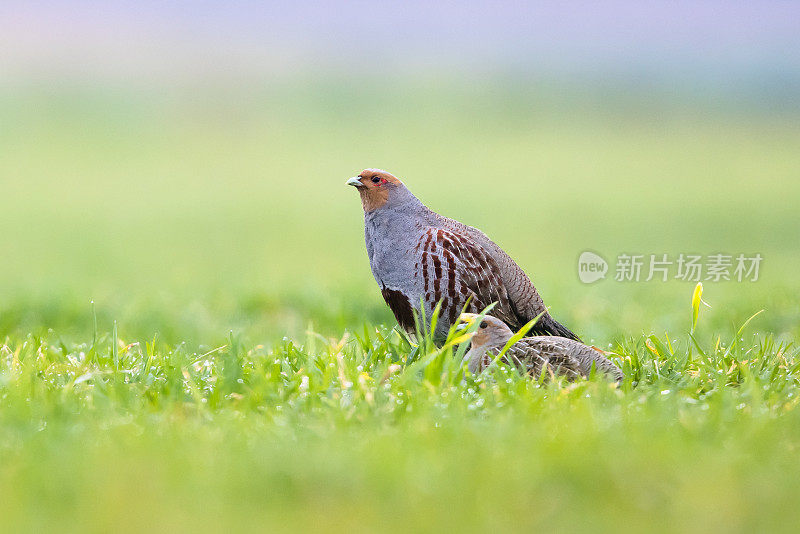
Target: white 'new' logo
[591, 267]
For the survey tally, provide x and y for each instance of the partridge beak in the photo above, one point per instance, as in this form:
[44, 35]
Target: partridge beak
[355, 181]
[468, 318]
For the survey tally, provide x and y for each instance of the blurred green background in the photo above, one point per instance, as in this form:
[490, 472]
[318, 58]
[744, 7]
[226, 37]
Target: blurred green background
[192, 212]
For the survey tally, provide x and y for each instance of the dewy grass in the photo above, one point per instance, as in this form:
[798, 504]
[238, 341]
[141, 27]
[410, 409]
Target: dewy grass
[333, 433]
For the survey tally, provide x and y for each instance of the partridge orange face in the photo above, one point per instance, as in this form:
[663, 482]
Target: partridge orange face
[491, 331]
[374, 186]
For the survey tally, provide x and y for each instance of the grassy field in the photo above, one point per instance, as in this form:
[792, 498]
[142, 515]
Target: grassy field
[238, 369]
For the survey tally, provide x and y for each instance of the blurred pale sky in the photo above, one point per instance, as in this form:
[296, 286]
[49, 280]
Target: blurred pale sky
[151, 41]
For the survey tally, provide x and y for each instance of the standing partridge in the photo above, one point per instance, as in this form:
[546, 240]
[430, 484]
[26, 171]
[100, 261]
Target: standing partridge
[420, 258]
[562, 356]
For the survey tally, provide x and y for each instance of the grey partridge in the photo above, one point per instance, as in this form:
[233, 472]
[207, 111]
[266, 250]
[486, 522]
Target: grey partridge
[420, 258]
[536, 354]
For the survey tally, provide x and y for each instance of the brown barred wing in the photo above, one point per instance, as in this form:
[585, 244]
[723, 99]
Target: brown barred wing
[454, 269]
[539, 354]
[525, 304]
[582, 357]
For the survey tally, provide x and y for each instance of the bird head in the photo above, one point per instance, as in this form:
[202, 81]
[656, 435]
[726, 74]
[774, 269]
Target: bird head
[491, 331]
[376, 188]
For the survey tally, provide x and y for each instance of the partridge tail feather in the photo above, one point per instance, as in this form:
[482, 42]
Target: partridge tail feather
[547, 326]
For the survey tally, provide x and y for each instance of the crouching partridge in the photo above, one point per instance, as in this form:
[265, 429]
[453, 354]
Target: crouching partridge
[420, 258]
[535, 354]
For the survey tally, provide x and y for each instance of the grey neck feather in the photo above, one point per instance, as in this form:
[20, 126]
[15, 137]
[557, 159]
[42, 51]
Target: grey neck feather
[473, 358]
[401, 202]
[401, 198]
[389, 232]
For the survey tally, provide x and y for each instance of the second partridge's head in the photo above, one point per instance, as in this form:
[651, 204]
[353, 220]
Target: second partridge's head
[376, 187]
[491, 332]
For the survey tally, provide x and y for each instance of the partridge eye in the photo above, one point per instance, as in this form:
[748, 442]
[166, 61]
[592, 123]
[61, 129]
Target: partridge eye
[376, 179]
[484, 324]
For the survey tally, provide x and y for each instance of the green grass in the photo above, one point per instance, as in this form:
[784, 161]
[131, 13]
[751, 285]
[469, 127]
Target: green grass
[244, 374]
[366, 433]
